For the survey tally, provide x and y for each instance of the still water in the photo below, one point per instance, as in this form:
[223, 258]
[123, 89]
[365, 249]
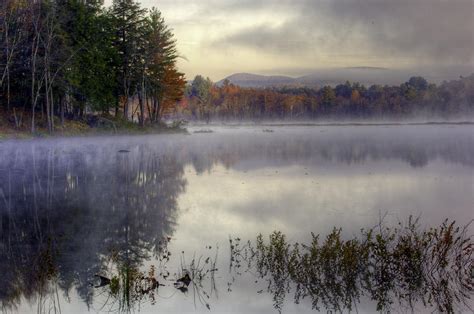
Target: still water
[142, 223]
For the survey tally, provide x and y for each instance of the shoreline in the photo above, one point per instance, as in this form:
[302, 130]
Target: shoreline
[92, 132]
[92, 125]
[13, 134]
[372, 124]
[324, 124]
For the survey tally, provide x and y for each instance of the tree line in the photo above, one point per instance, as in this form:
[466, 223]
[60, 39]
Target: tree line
[415, 98]
[62, 59]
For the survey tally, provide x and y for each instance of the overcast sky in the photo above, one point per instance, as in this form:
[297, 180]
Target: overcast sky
[295, 37]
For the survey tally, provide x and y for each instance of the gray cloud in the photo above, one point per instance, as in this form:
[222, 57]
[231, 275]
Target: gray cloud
[429, 28]
[426, 30]
[430, 35]
[282, 39]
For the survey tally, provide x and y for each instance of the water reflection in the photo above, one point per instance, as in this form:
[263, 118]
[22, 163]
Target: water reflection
[91, 219]
[402, 265]
[66, 210]
[125, 287]
[351, 146]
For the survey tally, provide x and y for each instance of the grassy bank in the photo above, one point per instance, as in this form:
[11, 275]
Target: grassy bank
[89, 126]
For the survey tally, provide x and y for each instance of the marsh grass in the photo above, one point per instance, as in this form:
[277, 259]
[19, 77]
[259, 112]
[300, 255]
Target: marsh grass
[400, 266]
[131, 285]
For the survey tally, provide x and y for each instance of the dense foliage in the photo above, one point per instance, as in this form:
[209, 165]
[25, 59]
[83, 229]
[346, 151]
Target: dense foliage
[64, 58]
[415, 98]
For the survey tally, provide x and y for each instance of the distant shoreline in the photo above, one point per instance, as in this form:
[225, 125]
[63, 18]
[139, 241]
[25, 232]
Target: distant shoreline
[372, 124]
[276, 124]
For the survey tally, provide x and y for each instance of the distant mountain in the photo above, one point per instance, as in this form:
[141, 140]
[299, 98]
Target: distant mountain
[364, 75]
[255, 80]
[367, 68]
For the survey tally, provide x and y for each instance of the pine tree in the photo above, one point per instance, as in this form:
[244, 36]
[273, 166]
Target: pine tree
[129, 21]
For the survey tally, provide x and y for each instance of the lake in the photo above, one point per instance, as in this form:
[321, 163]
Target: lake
[83, 217]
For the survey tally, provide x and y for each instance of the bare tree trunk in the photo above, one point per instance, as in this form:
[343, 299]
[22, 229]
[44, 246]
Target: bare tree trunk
[33, 98]
[141, 101]
[125, 108]
[117, 104]
[51, 110]
[48, 116]
[8, 89]
[17, 120]
[140, 107]
[127, 96]
[50, 77]
[156, 109]
[35, 90]
[153, 116]
[7, 66]
[47, 69]
[150, 113]
[10, 47]
[61, 110]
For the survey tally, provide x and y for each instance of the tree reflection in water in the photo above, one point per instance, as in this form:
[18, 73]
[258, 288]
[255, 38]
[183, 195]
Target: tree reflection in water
[65, 212]
[406, 265]
[75, 209]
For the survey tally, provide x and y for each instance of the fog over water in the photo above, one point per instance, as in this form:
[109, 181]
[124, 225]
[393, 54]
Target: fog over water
[77, 207]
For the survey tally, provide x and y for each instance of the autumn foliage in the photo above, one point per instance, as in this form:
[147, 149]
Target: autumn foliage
[415, 98]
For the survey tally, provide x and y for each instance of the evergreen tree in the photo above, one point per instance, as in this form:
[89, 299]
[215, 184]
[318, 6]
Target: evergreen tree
[129, 24]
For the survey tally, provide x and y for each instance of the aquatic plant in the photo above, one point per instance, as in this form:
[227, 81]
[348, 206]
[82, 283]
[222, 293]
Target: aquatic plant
[403, 265]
